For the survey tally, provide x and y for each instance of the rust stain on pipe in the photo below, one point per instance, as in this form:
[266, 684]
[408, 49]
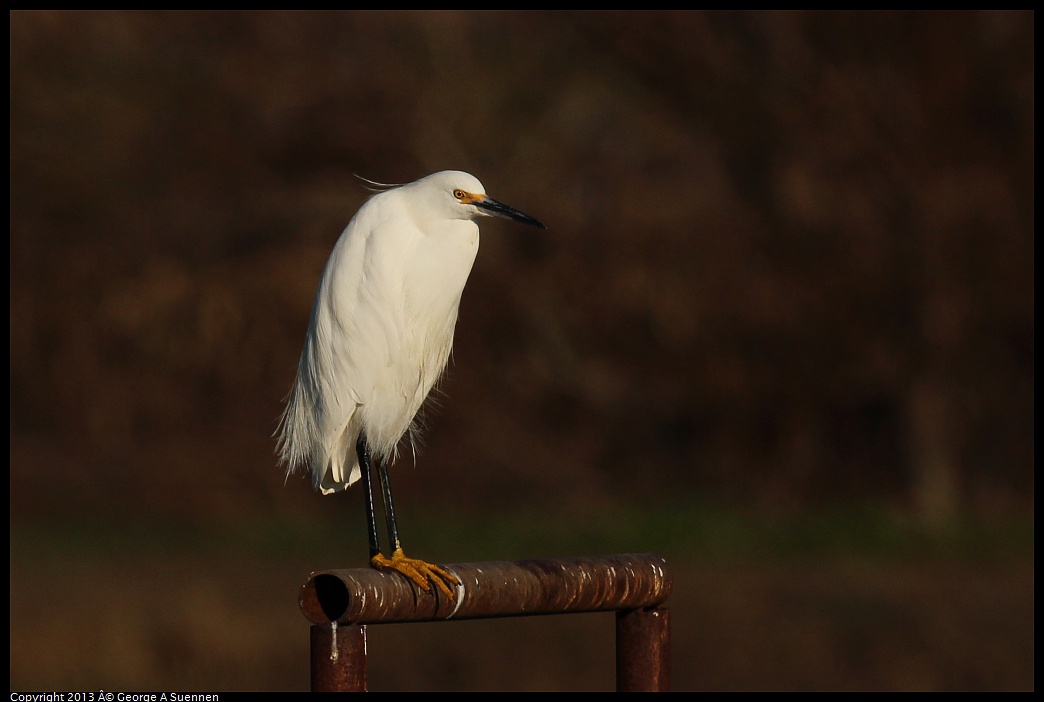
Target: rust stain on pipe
[493, 589]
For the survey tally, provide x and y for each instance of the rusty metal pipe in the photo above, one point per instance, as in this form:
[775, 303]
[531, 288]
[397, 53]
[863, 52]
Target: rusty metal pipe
[338, 658]
[643, 650]
[496, 589]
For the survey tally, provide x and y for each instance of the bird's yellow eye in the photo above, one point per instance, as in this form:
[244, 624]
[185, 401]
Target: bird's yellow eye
[459, 194]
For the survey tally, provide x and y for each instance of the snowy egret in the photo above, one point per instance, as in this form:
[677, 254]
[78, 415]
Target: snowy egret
[379, 338]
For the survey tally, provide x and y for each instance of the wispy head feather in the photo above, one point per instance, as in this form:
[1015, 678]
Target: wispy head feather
[374, 186]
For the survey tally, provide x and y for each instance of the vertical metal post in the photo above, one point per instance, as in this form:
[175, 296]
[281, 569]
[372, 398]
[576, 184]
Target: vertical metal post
[643, 650]
[338, 658]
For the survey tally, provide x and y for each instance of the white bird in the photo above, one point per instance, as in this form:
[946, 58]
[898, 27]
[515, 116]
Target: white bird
[380, 336]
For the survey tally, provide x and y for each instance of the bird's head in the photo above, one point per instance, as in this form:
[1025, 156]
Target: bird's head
[463, 197]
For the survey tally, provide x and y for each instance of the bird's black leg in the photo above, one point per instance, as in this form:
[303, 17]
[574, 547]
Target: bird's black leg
[363, 450]
[389, 508]
[420, 572]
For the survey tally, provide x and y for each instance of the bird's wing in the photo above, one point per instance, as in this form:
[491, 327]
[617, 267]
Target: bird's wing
[360, 313]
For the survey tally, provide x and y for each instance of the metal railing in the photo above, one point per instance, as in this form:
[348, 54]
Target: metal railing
[341, 603]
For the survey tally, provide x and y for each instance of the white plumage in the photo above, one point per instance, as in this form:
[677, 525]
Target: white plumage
[382, 323]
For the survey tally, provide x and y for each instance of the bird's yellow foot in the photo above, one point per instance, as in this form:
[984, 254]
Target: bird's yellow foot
[420, 572]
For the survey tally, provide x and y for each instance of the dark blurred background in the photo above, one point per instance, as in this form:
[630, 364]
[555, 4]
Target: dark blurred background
[779, 330]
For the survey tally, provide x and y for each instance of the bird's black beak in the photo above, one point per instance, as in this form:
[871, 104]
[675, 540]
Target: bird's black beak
[499, 209]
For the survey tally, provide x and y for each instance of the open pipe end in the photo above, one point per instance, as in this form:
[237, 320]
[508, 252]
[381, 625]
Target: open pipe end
[325, 597]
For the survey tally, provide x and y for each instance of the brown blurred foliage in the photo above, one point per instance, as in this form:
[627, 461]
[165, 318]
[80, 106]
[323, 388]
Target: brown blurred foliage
[789, 263]
[789, 256]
